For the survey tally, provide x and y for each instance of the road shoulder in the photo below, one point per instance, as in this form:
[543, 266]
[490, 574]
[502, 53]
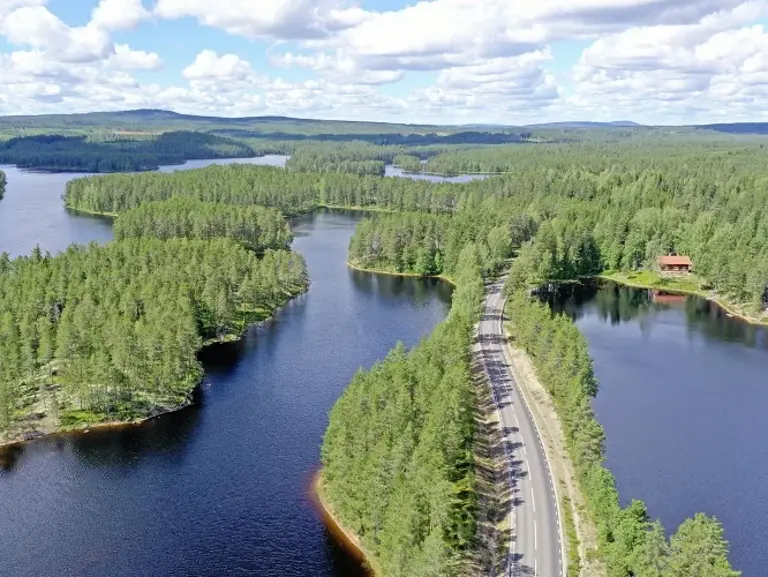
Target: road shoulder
[573, 503]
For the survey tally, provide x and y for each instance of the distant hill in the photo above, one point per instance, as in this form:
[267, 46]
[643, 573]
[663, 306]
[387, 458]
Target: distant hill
[152, 119]
[737, 127]
[586, 124]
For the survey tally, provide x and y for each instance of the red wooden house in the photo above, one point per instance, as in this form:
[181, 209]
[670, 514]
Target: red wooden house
[674, 264]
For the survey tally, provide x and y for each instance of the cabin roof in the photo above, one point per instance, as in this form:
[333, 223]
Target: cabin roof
[673, 260]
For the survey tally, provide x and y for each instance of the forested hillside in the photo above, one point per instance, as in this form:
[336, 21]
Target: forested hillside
[105, 333]
[398, 466]
[3, 183]
[117, 154]
[255, 227]
[631, 543]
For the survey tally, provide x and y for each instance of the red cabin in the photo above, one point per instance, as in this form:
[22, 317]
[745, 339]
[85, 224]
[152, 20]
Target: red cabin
[674, 264]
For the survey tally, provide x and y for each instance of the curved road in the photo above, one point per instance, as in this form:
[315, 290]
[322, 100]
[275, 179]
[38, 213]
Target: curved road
[535, 546]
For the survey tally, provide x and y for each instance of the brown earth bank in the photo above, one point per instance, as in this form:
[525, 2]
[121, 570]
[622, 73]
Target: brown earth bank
[44, 422]
[348, 540]
[356, 266]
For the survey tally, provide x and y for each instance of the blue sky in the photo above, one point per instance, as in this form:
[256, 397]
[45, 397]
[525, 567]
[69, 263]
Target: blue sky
[445, 61]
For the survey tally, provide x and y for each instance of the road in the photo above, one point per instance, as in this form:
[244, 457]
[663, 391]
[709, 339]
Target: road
[535, 546]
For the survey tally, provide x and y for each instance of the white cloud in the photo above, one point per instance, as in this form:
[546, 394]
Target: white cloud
[118, 14]
[37, 27]
[280, 19]
[714, 68]
[126, 59]
[489, 60]
[209, 65]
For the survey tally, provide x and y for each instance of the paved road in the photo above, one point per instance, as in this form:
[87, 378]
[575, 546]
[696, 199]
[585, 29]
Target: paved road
[535, 547]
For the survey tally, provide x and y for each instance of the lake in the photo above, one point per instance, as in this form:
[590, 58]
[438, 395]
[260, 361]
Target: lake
[32, 211]
[683, 392]
[219, 489]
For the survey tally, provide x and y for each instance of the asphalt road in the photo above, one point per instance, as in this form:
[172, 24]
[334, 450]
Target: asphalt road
[535, 546]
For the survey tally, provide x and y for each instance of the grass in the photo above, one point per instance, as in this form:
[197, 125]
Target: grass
[689, 284]
[574, 559]
[78, 419]
[356, 266]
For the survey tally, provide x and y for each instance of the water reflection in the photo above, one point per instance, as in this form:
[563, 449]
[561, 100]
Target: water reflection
[682, 400]
[385, 287]
[616, 304]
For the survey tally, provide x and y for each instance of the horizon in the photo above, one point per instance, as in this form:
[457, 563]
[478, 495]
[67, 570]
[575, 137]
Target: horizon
[451, 63]
[619, 123]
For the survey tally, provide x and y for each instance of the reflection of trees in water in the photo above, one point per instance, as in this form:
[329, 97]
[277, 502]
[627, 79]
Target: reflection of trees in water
[117, 447]
[706, 318]
[9, 456]
[618, 304]
[418, 290]
[127, 447]
[343, 561]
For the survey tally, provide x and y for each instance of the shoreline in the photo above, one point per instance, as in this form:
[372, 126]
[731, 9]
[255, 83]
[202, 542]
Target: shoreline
[359, 268]
[92, 212]
[105, 425]
[728, 307]
[101, 426]
[346, 538]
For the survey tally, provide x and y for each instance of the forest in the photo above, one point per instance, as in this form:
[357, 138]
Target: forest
[306, 161]
[111, 333]
[594, 207]
[631, 543]
[117, 154]
[398, 464]
[430, 244]
[3, 182]
[255, 227]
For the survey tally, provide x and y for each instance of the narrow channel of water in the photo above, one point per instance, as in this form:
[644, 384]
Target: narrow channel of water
[220, 489]
[683, 392]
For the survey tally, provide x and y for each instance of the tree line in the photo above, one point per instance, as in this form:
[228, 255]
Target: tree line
[430, 244]
[255, 227]
[3, 183]
[307, 161]
[408, 162]
[101, 333]
[631, 543]
[397, 454]
[117, 154]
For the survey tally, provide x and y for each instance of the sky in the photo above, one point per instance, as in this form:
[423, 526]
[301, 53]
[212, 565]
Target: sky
[427, 61]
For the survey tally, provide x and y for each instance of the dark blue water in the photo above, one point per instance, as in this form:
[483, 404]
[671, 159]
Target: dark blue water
[32, 212]
[220, 489]
[683, 395]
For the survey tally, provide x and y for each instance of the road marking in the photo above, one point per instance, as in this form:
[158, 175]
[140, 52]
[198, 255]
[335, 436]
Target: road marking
[533, 500]
[535, 535]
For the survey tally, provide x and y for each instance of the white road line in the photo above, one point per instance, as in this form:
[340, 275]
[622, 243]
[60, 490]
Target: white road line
[533, 500]
[535, 535]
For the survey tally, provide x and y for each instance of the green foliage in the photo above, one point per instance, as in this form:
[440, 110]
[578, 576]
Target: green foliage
[397, 454]
[254, 227]
[428, 244]
[354, 158]
[407, 162]
[117, 154]
[114, 330]
[631, 544]
[3, 183]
